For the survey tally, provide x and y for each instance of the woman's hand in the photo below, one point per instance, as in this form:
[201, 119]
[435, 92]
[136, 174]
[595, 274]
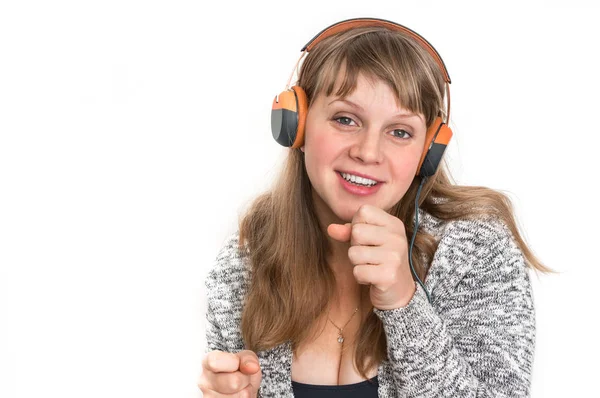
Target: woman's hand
[379, 253]
[227, 374]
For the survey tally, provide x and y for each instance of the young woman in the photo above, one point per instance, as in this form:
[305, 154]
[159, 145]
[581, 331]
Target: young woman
[364, 272]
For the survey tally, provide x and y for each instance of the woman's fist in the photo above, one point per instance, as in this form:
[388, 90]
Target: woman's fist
[227, 374]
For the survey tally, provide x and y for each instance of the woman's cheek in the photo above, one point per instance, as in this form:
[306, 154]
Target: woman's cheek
[324, 146]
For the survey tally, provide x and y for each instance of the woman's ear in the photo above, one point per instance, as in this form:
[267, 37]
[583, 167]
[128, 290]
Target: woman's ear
[302, 148]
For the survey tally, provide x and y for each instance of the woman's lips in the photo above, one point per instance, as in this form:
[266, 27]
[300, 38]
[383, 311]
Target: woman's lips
[356, 189]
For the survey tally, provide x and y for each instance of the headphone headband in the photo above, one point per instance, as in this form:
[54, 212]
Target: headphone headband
[360, 22]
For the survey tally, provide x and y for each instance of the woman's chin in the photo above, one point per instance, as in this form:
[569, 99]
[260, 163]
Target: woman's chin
[347, 214]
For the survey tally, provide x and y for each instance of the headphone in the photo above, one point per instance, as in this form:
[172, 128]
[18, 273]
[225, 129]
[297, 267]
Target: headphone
[289, 109]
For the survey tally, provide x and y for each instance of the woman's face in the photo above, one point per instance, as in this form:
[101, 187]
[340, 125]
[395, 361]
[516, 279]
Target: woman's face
[365, 133]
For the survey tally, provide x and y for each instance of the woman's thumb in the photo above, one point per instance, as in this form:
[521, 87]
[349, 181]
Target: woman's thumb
[248, 362]
[340, 232]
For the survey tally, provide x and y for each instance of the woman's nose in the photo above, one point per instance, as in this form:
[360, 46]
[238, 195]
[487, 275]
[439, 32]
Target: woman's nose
[367, 147]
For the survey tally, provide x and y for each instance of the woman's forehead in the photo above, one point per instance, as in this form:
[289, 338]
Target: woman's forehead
[344, 88]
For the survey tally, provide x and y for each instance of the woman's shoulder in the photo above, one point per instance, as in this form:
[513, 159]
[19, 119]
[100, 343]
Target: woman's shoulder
[473, 232]
[482, 245]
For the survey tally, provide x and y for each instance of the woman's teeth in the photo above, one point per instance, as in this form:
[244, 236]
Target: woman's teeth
[358, 180]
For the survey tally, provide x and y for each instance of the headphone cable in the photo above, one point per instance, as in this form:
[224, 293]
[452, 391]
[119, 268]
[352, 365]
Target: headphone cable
[412, 241]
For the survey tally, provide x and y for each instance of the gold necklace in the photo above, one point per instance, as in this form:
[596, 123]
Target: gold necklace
[340, 336]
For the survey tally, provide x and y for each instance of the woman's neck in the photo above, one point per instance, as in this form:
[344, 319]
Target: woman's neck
[348, 292]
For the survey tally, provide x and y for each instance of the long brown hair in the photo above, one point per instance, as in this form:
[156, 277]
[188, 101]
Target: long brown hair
[291, 283]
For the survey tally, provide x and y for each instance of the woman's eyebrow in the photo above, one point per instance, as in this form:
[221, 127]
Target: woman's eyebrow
[360, 108]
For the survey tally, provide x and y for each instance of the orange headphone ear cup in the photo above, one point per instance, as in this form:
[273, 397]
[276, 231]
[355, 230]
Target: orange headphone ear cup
[436, 140]
[288, 116]
[302, 111]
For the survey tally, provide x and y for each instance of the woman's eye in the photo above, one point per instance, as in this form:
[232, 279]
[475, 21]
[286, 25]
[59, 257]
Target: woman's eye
[398, 133]
[401, 133]
[346, 121]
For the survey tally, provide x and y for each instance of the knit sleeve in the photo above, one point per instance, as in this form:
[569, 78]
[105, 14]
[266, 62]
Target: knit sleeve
[214, 338]
[478, 337]
[225, 288]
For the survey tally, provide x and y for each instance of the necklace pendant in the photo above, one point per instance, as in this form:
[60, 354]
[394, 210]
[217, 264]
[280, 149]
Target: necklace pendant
[340, 339]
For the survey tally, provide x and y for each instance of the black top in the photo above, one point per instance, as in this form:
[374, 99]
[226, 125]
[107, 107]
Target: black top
[364, 389]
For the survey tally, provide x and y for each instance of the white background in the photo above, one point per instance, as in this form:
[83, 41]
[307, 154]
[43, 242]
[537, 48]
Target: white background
[133, 134]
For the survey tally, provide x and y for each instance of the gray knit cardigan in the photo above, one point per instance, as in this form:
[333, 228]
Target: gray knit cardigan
[476, 338]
